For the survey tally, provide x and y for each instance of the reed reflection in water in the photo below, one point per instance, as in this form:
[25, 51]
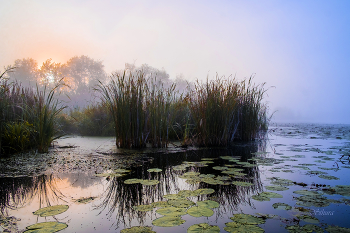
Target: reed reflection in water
[119, 198]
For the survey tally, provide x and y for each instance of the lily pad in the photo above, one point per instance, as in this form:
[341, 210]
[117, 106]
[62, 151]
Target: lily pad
[247, 219]
[84, 200]
[197, 211]
[337, 229]
[132, 181]
[143, 208]
[308, 218]
[220, 168]
[154, 170]
[203, 191]
[276, 188]
[181, 203]
[242, 228]
[203, 228]
[241, 183]
[172, 211]
[149, 182]
[343, 190]
[208, 204]
[186, 193]
[307, 192]
[173, 196]
[161, 204]
[281, 206]
[168, 221]
[120, 170]
[46, 227]
[51, 210]
[328, 177]
[138, 229]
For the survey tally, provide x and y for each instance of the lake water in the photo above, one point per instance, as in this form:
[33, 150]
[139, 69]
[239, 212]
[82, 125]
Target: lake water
[86, 174]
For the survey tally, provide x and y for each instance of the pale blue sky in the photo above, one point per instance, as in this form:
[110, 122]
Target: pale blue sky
[300, 47]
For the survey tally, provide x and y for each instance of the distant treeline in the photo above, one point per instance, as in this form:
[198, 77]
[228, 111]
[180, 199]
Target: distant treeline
[139, 106]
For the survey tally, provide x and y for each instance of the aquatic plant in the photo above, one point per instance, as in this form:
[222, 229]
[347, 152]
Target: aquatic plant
[51, 210]
[46, 227]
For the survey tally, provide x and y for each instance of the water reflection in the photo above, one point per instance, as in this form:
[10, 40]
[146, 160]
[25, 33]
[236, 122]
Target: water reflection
[17, 192]
[119, 198]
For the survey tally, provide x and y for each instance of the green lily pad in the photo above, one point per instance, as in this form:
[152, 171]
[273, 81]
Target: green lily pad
[199, 192]
[304, 229]
[168, 221]
[328, 177]
[120, 170]
[149, 182]
[212, 181]
[281, 206]
[84, 200]
[179, 168]
[220, 168]
[46, 227]
[132, 181]
[110, 175]
[337, 229]
[181, 203]
[173, 196]
[242, 228]
[172, 211]
[208, 204]
[186, 193]
[197, 211]
[307, 192]
[308, 218]
[271, 195]
[138, 229]
[193, 181]
[51, 210]
[241, 183]
[203, 228]
[260, 198]
[247, 219]
[143, 208]
[276, 188]
[316, 201]
[161, 204]
[154, 170]
[281, 182]
[343, 190]
[191, 174]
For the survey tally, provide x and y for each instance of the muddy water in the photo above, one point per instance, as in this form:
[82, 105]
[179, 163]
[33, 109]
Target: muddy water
[80, 172]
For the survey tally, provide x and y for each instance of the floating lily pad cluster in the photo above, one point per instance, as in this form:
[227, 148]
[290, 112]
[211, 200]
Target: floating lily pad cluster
[116, 173]
[141, 181]
[138, 229]
[266, 196]
[244, 223]
[312, 198]
[178, 205]
[49, 227]
[343, 190]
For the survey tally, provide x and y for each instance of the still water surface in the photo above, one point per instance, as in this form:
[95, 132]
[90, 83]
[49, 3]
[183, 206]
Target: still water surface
[65, 175]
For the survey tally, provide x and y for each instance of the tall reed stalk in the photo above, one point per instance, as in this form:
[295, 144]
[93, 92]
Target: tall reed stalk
[214, 107]
[124, 97]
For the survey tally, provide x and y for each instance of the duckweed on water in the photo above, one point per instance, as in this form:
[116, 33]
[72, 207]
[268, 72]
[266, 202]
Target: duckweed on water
[51, 210]
[46, 227]
[168, 221]
[203, 228]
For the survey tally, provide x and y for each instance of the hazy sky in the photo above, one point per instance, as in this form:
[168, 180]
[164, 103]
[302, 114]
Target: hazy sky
[301, 47]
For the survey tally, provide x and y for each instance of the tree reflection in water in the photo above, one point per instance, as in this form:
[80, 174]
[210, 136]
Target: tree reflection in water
[17, 192]
[119, 198]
